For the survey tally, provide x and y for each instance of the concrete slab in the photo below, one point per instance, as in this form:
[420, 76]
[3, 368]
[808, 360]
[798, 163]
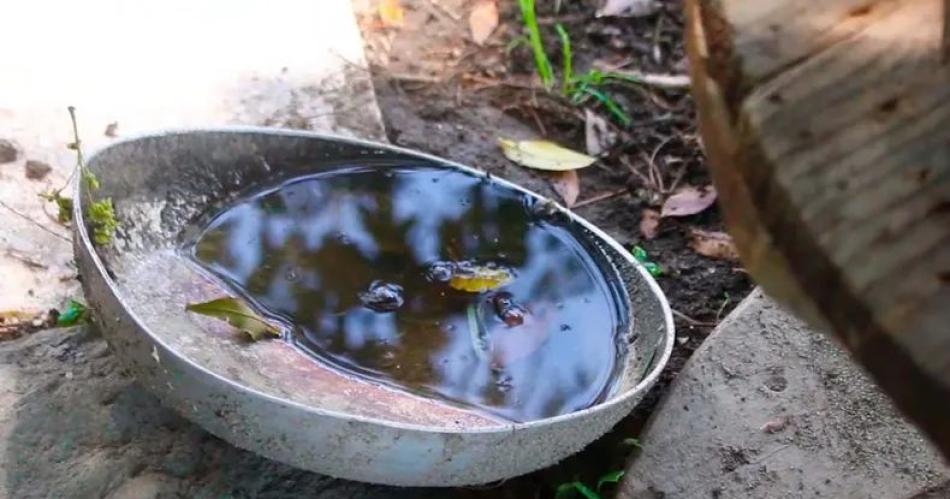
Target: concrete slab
[768, 407]
[71, 424]
[152, 65]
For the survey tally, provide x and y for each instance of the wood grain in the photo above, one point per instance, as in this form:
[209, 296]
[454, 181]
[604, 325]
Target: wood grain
[827, 125]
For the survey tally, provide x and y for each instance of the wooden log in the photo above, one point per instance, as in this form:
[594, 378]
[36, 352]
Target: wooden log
[827, 126]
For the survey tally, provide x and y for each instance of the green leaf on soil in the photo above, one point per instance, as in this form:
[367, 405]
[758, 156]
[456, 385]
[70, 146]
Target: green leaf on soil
[570, 489]
[609, 477]
[632, 442]
[236, 313]
[641, 256]
[71, 314]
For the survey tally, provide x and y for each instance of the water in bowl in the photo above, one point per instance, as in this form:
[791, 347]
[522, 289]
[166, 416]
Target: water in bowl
[432, 280]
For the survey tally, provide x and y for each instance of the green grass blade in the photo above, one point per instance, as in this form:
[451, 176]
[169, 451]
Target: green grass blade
[610, 104]
[541, 61]
[567, 60]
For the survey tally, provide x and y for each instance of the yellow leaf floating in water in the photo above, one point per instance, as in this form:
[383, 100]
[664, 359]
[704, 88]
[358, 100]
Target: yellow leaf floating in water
[480, 279]
[544, 155]
[236, 313]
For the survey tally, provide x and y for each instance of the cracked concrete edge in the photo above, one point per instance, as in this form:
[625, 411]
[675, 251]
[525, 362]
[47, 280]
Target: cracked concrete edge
[768, 407]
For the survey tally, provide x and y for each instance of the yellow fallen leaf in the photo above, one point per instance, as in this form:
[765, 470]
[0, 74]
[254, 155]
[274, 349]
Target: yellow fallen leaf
[480, 279]
[544, 155]
[391, 13]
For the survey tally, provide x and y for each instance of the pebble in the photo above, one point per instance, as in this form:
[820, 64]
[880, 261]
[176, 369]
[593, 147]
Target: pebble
[8, 151]
[37, 170]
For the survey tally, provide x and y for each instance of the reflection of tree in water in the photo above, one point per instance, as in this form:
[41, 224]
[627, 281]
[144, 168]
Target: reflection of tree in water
[308, 249]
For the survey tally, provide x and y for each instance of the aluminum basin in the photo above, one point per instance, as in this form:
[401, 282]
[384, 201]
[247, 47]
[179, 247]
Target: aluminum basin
[251, 394]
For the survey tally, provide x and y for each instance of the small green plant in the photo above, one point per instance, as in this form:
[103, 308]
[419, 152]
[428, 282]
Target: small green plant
[641, 255]
[578, 88]
[101, 212]
[569, 490]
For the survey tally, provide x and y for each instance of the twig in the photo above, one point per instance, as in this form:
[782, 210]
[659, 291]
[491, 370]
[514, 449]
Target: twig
[439, 10]
[34, 222]
[691, 321]
[601, 197]
[722, 307]
[415, 78]
[659, 175]
[668, 81]
[29, 262]
[537, 120]
[490, 82]
[637, 173]
[772, 453]
[657, 53]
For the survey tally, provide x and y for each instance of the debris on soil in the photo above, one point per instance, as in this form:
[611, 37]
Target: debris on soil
[8, 151]
[649, 223]
[688, 200]
[775, 425]
[598, 135]
[36, 170]
[16, 323]
[567, 185]
[483, 20]
[544, 155]
[628, 8]
[714, 244]
[236, 313]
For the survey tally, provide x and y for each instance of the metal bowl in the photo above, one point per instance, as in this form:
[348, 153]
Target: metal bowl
[252, 394]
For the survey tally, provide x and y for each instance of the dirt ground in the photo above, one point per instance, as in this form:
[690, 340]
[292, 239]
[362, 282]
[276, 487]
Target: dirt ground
[441, 93]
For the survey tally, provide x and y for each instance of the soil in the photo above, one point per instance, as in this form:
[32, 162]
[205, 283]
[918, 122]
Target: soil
[441, 93]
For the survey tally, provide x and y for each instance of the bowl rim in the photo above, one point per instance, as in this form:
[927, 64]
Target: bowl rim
[620, 398]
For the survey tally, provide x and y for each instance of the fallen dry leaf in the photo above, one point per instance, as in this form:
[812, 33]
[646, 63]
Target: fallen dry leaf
[544, 155]
[598, 134]
[483, 20]
[688, 200]
[713, 244]
[391, 13]
[628, 8]
[649, 223]
[236, 313]
[567, 185]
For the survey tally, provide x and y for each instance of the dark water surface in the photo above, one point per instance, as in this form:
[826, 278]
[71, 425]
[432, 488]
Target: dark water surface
[363, 265]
